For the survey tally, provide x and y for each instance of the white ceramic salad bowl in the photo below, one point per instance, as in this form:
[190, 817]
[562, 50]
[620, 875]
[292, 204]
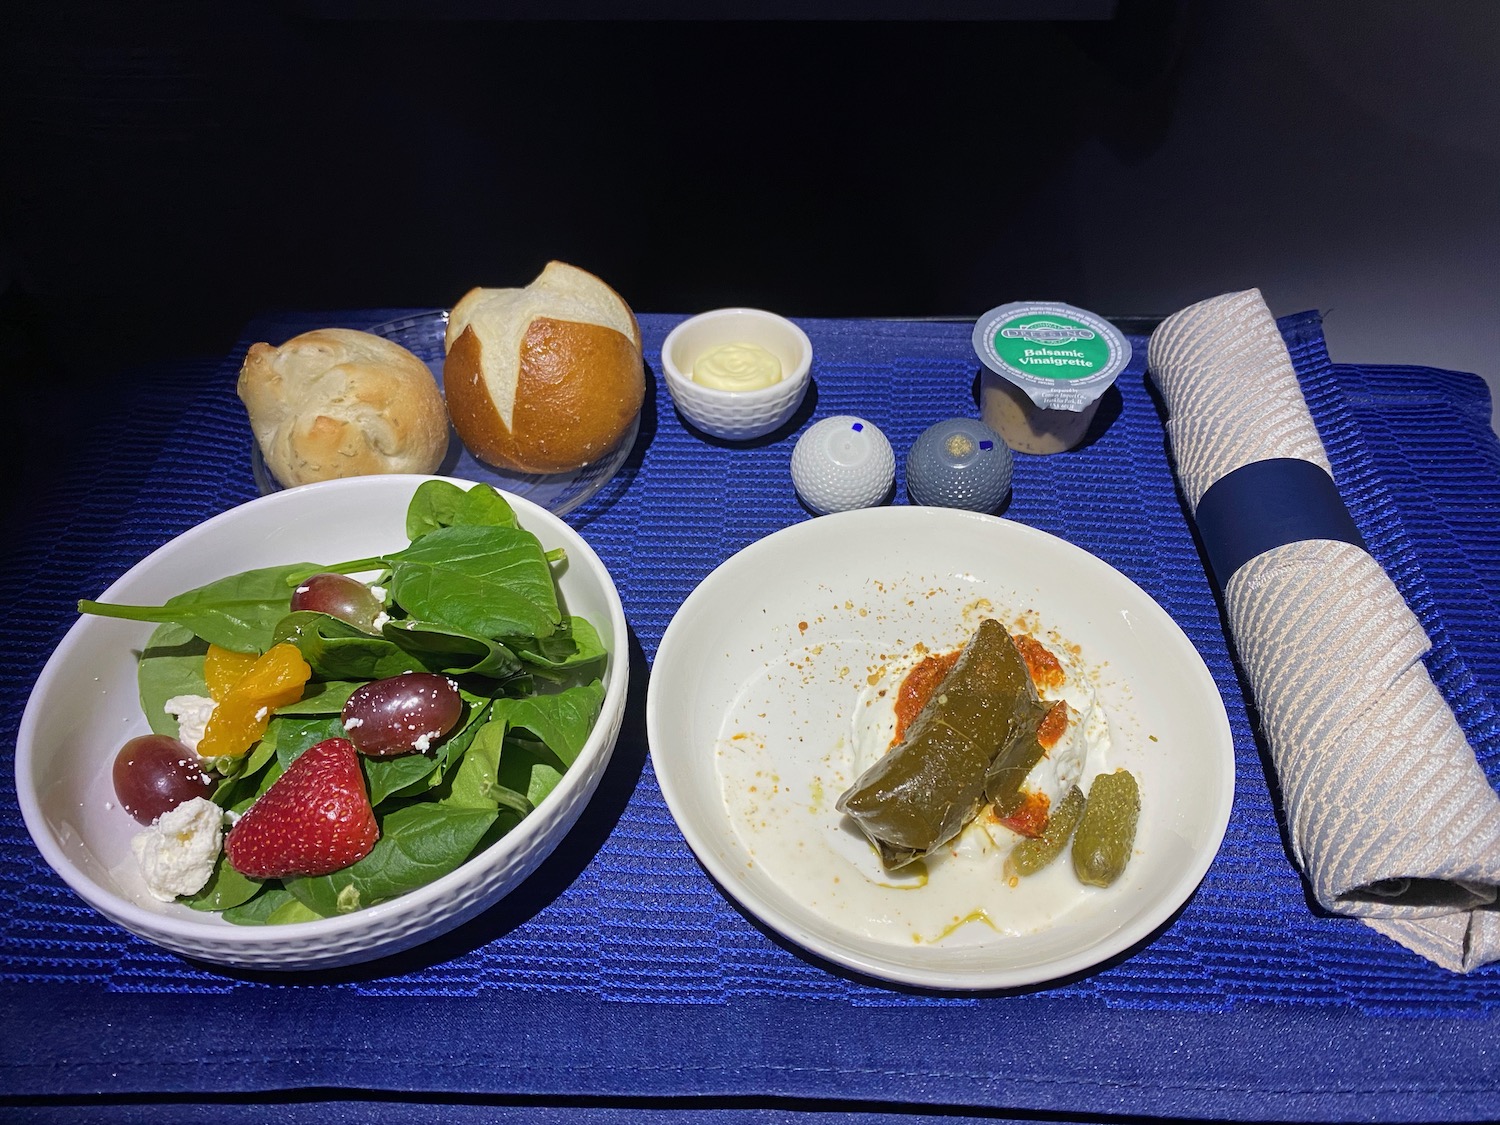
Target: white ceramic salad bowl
[85, 705]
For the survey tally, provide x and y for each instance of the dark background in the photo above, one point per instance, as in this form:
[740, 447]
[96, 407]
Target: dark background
[169, 169]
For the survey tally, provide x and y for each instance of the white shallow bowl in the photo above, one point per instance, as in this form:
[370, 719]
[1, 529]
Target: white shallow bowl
[85, 706]
[737, 415]
[753, 707]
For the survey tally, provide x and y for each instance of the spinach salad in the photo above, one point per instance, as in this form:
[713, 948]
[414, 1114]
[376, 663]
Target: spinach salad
[473, 598]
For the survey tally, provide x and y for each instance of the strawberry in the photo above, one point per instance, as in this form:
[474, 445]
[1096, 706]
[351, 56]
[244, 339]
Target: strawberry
[314, 819]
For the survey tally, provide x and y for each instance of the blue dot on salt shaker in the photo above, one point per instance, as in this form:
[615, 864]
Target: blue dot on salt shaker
[959, 463]
[842, 463]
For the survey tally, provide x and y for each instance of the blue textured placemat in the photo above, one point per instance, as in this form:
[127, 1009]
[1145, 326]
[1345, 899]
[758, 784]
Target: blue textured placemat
[620, 970]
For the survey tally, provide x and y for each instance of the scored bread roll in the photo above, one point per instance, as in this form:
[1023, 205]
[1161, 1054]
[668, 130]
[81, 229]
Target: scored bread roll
[547, 378]
[335, 402]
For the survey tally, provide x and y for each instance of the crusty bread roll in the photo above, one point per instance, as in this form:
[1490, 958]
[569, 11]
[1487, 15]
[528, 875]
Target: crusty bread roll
[334, 402]
[547, 378]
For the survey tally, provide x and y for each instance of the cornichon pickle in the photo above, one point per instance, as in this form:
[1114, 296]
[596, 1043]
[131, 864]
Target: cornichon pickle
[1030, 856]
[1106, 832]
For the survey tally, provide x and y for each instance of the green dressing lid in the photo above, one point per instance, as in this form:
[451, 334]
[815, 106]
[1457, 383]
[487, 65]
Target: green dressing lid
[1062, 357]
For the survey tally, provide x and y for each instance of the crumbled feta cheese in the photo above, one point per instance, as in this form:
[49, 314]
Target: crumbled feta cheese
[178, 852]
[191, 713]
[378, 624]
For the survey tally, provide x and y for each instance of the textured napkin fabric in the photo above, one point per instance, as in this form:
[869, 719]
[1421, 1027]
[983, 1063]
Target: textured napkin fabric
[1390, 817]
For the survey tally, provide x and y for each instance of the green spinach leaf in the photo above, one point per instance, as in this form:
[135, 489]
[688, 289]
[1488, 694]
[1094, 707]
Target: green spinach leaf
[171, 664]
[485, 581]
[529, 767]
[562, 721]
[296, 733]
[322, 697]
[336, 650]
[412, 774]
[266, 908]
[238, 613]
[225, 888]
[476, 781]
[386, 777]
[573, 646]
[418, 843]
[440, 503]
[443, 649]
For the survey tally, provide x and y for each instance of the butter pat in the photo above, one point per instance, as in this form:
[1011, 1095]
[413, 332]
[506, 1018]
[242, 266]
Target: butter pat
[1046, 367]
[737, 367]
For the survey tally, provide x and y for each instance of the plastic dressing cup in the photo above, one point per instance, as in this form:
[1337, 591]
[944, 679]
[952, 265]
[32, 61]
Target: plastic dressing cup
[1046, 366]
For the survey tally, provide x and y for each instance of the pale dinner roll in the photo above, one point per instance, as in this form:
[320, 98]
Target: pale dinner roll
[334, 402]
[547, 378]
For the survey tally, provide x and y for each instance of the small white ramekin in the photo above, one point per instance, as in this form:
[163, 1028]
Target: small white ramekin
[737, 415]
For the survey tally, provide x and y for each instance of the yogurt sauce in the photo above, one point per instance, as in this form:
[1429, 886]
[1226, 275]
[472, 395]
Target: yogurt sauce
[784, 815]
[737, 367]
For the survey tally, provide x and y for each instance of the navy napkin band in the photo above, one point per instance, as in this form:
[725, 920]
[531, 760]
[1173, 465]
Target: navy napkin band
[1268, 504]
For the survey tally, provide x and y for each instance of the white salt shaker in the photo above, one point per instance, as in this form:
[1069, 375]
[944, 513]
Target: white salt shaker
[842, 463]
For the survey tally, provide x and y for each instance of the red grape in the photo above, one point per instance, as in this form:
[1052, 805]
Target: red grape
[401, 714]
[154, 774]
[339, 596]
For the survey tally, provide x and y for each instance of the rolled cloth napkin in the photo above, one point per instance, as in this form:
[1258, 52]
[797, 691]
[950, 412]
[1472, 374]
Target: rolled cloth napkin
[1391, 818]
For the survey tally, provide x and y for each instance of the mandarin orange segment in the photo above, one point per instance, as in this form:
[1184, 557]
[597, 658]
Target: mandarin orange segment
[222, 668]
[240, 718]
